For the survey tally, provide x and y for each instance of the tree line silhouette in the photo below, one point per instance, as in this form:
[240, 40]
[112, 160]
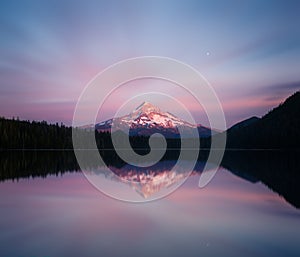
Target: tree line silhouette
[16, 134]
[280, 128]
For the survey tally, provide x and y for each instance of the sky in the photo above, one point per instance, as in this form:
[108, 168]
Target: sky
[249, 51]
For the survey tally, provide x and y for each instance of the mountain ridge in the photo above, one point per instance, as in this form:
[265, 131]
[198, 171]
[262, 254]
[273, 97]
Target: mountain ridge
[279, 128]
[147, 119]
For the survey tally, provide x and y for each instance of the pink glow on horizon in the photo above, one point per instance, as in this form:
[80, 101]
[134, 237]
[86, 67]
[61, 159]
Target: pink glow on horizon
[50, 57]
[54, 99]
[52, 95]
[62, 110]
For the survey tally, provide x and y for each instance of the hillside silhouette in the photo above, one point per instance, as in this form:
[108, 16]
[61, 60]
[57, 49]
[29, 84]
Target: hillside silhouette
[280, 128]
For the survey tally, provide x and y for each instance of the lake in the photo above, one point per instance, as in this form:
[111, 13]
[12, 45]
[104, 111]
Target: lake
[49, 208]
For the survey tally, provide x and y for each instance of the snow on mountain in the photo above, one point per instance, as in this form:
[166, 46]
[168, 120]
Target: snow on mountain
[148, 119]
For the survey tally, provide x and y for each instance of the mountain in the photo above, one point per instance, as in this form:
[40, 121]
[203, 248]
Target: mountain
[148, 119]
[244, 123]
[280, 128]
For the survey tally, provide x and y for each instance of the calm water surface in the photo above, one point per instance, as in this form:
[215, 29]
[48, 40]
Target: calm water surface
[64, 215]
[48, 208]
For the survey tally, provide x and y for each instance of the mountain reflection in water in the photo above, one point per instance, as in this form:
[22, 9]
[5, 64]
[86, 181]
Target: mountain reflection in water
[279, 170]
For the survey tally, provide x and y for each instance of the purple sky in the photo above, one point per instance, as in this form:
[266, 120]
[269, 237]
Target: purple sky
[249, 51]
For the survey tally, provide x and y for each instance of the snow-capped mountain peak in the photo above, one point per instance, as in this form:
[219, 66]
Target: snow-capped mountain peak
[147, 107]
[148, 114]
[147, 119]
